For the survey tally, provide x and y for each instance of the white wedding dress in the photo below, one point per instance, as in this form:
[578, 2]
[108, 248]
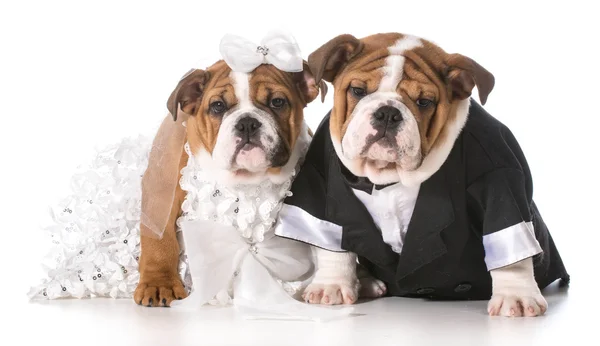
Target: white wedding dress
[229, 254]
[95, 231]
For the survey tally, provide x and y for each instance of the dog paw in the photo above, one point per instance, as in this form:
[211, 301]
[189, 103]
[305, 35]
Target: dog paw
[159, 293]
[521, 305]
[371, 287]
[330, 294]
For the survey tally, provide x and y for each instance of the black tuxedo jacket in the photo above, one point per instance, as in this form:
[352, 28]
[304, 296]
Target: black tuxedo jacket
[483, 188]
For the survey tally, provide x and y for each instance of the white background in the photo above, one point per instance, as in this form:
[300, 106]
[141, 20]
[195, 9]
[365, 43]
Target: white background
[77, 75]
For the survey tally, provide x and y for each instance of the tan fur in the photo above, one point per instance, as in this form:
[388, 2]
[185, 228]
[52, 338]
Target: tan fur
[428, 72]
[203, 129]
[266, 82]
[160, 282]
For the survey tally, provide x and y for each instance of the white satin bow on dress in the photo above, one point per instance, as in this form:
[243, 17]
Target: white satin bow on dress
[276, 48]
[219, 258]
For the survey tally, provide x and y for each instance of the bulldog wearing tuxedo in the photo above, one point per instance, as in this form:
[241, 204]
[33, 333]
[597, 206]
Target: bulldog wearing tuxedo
[414, 181]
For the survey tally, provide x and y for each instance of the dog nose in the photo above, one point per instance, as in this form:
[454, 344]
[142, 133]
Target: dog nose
[247, 126]
[388, 115]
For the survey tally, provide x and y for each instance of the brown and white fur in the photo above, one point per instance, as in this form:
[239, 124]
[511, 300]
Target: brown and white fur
[243, 127]
[399, 104]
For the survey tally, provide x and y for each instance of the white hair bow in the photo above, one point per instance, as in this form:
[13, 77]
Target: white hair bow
[277, 48]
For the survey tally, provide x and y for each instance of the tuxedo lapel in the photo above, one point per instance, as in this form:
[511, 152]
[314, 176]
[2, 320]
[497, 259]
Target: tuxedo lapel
[423, 243]
[433, 213]
[360, 233]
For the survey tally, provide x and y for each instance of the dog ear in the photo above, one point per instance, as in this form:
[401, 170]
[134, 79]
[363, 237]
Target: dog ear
[188, 93]
[308, 85]
[327, 61]
[463, 74]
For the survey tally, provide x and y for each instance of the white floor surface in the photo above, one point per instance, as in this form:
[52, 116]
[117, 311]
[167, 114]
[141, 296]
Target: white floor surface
[389, 321]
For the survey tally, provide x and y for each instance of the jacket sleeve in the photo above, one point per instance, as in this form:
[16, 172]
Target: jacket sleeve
[303, 216]
[500, 204]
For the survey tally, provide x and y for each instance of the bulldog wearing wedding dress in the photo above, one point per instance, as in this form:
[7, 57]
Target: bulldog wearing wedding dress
[204, 194]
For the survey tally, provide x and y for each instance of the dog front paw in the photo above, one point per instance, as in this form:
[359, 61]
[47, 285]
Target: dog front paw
[154, 293]
[517, 304]
[330, 294]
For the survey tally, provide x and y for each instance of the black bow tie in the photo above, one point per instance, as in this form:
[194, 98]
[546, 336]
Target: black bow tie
[360, 183]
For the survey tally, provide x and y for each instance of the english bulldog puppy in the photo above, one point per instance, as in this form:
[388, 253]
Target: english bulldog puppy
[244, 135]
[412, 179]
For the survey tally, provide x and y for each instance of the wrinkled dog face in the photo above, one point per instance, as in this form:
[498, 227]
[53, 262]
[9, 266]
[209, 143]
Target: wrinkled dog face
[381, 129]
[244, 125]
[396, 100]
[251, 139]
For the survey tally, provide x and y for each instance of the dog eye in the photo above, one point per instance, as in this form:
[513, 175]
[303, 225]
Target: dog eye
[358, 92]
[424, 103]
[277, 103]
[217, 107]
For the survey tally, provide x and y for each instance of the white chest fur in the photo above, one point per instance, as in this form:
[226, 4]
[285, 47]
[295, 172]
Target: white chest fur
[391, 209]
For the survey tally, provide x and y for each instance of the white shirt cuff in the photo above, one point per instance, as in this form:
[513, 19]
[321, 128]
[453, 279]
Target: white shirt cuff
[510, 245]
[295, 223]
